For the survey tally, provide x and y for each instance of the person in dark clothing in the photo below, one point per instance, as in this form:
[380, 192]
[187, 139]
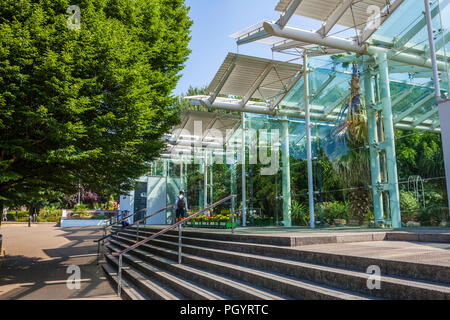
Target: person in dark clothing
[181, 206]
[36, 214]
[125, 222]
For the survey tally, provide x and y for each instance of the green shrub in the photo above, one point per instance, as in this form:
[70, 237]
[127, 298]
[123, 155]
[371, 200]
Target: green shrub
[433, 216]
[434, 199]
[299, 214]
[333, 210]
[81, 210]
[408, 206]
[370, 216]
[19, 216]
[99, 218]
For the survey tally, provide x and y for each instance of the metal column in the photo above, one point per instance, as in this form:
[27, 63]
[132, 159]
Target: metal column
[444, 113]
[233, 186]
[286, 174]
[244, 189]
[200, 191]
[181, 175]
[308, 141]
[432, 49]
[211, 189]
[165, 168]
[389, 144]
[205, 181]
[372, 113]
[444, 107]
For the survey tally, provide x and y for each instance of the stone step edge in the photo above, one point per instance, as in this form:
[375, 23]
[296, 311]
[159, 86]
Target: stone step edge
[370, 261]
[301, 284]
[129, 291]
[226, 281]
[426, 285]
[206, 295]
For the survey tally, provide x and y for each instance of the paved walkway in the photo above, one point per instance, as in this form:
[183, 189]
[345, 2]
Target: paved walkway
[37, 258]
[415, 252]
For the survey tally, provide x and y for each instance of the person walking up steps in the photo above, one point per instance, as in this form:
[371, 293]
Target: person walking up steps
[181, 206]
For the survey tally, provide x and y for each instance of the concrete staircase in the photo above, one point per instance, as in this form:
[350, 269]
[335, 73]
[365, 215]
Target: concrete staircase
[217, 266]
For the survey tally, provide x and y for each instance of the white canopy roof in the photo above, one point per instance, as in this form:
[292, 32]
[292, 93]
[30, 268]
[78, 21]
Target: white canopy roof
[354, 13]
[253, 77]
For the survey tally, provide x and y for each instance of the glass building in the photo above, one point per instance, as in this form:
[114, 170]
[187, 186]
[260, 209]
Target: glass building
[315, 141]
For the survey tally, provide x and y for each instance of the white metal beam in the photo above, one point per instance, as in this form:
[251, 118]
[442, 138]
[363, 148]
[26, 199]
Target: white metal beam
[317, 112]
[257, 84]
[346, 45]
[222, 82]
[284, 19]
[210, 125]
[334, 17]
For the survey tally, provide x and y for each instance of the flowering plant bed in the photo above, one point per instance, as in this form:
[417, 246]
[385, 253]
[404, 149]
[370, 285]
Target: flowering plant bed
[220, 221]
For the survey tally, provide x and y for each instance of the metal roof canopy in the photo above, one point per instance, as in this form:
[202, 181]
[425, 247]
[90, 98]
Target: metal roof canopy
[252, 77]
[346, 13]
[357, 14]
[250, 74]
[185, 136]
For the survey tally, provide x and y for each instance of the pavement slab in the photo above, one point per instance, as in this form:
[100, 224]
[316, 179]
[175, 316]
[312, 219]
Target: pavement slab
[37, 259]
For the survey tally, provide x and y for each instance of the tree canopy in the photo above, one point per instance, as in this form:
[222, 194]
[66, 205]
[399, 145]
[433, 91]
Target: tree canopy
[86, 105]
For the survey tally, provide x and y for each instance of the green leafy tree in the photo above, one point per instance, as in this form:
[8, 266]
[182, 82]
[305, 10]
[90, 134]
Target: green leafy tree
[86, 105]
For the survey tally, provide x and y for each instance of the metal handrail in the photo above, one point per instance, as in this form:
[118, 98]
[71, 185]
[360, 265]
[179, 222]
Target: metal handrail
[123, 219]
[165, 230]
[134, 223]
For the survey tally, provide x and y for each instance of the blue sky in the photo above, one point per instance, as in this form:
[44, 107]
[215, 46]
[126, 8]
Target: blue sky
[214, 22]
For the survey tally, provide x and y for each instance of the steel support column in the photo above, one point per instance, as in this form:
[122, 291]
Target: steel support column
[432, 49]
[181, 175]
[233, 184]
[308, 141]
[389, 143]
[444, 113]
[373, 141]
[286, 173]
[244, 188]
[201, 193]
[211, 189]
[205, 181]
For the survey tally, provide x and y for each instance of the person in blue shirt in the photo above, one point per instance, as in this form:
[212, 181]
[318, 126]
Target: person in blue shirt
[125, 222]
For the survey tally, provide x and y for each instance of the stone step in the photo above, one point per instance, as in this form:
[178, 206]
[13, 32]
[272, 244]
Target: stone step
[391, 287]
[227, 286]
[153, 290]
[417, 271]
[284, 285]
[129, 292]
[180, 288]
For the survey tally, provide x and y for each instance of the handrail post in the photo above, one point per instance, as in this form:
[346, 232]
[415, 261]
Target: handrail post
[137, 233]
[98, 252]
[232, 214]
[179, 243]
[119, 289]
